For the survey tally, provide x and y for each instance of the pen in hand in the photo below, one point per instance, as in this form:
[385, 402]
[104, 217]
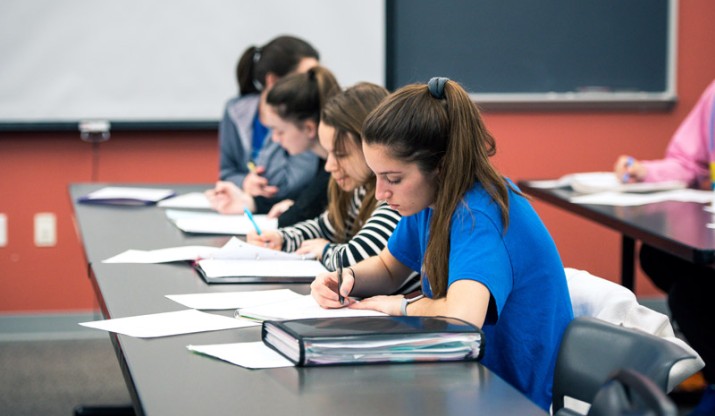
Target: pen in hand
[253, 221]
[627, 176]
[341, 299]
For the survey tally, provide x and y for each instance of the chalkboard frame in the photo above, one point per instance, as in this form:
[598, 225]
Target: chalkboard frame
[591, 99]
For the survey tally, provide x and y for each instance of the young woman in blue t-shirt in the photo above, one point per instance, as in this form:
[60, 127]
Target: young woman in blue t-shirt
[484, 254]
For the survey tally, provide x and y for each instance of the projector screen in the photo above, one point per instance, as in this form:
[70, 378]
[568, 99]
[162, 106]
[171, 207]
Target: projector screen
[163, 62]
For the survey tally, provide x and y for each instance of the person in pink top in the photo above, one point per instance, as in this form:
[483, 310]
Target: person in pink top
[690, 287]
[687, 158]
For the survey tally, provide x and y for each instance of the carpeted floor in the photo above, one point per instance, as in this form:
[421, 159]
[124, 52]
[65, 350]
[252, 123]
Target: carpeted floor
[52, 377]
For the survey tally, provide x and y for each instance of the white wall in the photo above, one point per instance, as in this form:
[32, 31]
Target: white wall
[164, 60]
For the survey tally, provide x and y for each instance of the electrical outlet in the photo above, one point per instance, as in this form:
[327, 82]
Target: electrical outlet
[3, 230]
[45, 229]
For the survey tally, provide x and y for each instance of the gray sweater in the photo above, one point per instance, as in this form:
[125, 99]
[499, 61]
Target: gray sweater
[289, 173]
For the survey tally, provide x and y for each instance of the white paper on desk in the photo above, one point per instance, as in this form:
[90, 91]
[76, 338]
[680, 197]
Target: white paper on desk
[129, 193]
[216, 268]
[623, 199]
[253, 355]
[191, 200]
[164, 255]
[300, 308]
[592, 182]
[168, 323]
[215, 223]
[233, 300]
[236, 249]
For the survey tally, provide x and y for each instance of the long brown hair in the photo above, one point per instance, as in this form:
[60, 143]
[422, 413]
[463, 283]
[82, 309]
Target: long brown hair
[280, 56]
[443, 134]
[346, 112]
[300, 97]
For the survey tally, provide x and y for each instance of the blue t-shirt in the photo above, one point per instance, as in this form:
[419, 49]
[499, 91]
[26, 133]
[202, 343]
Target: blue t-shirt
[529, 306]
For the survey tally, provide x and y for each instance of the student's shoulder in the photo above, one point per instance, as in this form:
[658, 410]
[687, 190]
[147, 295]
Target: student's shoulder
[243, 103]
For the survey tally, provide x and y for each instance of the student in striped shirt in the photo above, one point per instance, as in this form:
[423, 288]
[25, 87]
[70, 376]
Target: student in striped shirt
[356, 225]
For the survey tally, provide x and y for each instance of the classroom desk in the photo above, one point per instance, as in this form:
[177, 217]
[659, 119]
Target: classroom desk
[164, 378]
[675, 227]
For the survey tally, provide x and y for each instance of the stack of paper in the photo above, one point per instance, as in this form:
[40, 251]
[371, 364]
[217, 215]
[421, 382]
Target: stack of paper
[214, 223]
[191, 200]
[593, 182]
[117, 195]
[235, 262]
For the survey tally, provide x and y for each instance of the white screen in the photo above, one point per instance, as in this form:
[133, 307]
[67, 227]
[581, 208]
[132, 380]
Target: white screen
[164, 60]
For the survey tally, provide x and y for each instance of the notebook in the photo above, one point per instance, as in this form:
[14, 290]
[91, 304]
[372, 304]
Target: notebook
[373, 339]
[119, 195]
[259, 271]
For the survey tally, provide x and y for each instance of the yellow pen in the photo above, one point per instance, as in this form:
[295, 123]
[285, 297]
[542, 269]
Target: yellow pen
[251, 166]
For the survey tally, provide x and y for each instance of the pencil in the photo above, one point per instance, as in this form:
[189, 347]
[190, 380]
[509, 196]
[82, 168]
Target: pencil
[253, 221]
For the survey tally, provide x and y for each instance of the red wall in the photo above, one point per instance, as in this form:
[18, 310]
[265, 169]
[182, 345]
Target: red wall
[36, 168]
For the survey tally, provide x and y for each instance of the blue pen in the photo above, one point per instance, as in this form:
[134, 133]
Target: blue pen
[629, 163]
[253, 221]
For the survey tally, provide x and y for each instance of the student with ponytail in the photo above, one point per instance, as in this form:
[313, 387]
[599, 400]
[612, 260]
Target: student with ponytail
[292, 112]
[483, 253]
[243, 136]
[356, 225]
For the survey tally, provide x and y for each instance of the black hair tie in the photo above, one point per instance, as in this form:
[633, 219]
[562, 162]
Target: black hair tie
[436, 87]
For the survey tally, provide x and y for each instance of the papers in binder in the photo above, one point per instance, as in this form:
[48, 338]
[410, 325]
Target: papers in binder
[220, 224]
[118, 195]
[376, 339]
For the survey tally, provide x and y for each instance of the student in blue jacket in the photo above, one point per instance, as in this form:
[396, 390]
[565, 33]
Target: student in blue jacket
[483, 253]
[244, 139]
[292, 111]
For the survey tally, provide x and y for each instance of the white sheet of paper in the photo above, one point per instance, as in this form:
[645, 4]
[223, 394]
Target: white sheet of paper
[234, 249]
[214, 268]
[168, 323]
[121, 192]
[233, 300]
[191, 200]
[254, 355]
[628, 199]
[215, 223]
[300, 308]
[164, 255]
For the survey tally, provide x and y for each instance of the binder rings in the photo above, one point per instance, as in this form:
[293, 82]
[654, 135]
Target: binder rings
[374, 339]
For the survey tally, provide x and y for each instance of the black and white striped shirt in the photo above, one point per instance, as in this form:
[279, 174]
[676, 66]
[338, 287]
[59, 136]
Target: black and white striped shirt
[367, 242]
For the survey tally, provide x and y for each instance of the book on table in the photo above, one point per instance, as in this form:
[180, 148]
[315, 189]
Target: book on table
[374, 339]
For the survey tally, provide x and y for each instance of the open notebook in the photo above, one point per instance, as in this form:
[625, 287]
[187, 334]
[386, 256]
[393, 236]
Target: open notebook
[235, 262]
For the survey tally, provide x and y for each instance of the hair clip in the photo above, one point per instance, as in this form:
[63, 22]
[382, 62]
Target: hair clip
[436, 86]
[257, 55]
